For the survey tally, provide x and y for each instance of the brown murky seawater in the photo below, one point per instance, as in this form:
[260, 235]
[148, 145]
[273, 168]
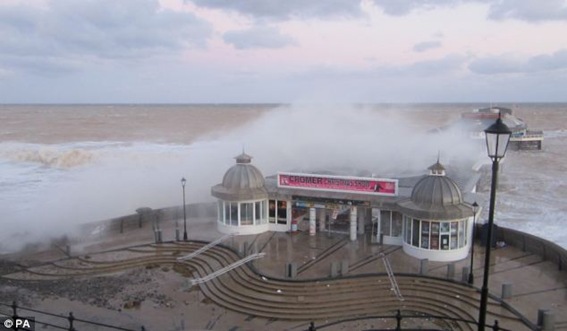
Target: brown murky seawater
[534, 183]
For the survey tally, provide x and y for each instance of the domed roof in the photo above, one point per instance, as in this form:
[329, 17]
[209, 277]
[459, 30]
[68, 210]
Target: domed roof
[242, 181]
[243, 175]
[432, 191]
[436, 196]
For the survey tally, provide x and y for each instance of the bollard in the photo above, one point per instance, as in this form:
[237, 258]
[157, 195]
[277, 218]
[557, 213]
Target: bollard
[344, 267]
[14, 310]
[423, 266]
[450, 271]
[496, 326]
[291, 270]
[71, 318]
[540, 313]
[506, 290]
[334, 269]
[159, 238]
[548, 321]
[465, 275]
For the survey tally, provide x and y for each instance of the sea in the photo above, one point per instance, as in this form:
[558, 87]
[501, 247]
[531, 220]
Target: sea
[65, 165]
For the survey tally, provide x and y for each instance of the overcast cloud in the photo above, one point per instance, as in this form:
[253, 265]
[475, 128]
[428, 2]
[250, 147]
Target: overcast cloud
[529, 10]
[289, 9]
[257, 37]
[67, 33]
[426, 45]
[506, 65]
[178, 51]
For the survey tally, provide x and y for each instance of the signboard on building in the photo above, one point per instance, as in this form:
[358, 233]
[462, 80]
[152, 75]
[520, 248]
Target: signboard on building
[328, 203]
[361, 185]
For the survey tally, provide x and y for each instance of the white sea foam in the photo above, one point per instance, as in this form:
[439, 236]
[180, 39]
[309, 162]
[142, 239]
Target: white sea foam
[42, 198]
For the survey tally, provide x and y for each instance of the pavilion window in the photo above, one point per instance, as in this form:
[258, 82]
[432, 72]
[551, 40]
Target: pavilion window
[396, 224]
[385, 222]
[246, 214]
[445, 235]
[425, 234]
[272, 211]
[408, 230]
[220, 211]
[233, 213]
[415, 233]
[282, 212]
[226, 215]
[263, 211]
[434, 242]
[462, 233]
[454, 236]
[257, 212]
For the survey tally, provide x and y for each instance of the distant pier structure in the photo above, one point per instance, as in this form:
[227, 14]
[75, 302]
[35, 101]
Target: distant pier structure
[478, 120]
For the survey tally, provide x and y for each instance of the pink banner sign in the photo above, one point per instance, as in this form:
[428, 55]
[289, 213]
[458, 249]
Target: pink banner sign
[378, 186]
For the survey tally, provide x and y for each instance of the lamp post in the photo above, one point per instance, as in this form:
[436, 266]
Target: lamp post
[183, 181]
[471, 276]
[497, 138]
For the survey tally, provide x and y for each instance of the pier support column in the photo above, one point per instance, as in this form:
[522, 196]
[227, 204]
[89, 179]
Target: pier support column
[352, 223]
[361, 217]
[506, 290]
[321, 212]
[423, 267]
[335, 269]
[344, 267]
[548, 321]
[312, 222]
[465, 274]
[450, 271]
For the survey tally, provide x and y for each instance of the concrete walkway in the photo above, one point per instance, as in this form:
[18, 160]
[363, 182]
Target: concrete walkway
[535, 284]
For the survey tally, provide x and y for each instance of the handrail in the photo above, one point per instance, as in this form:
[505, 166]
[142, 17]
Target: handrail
[226, 269]
[206, 247]
[392, 278]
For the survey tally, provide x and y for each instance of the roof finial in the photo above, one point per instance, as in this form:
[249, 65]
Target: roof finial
[243, 157]
[437, 169]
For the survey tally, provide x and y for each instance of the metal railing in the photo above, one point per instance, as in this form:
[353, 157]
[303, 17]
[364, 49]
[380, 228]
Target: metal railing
[206, 247]
[226, 269]
[70, 320]
[399, 317]
[40, 318]
[392, 278]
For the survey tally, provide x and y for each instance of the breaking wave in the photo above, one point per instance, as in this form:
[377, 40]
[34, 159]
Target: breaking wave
[55, 156]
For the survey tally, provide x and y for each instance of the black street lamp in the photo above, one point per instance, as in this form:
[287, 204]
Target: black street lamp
[497, 138]
[474, 209]
[183, 181]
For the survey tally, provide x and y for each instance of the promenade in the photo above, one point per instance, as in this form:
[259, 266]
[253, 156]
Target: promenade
[332, 279]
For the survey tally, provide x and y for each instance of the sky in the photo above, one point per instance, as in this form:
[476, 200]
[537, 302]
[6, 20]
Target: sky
[273, 51]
